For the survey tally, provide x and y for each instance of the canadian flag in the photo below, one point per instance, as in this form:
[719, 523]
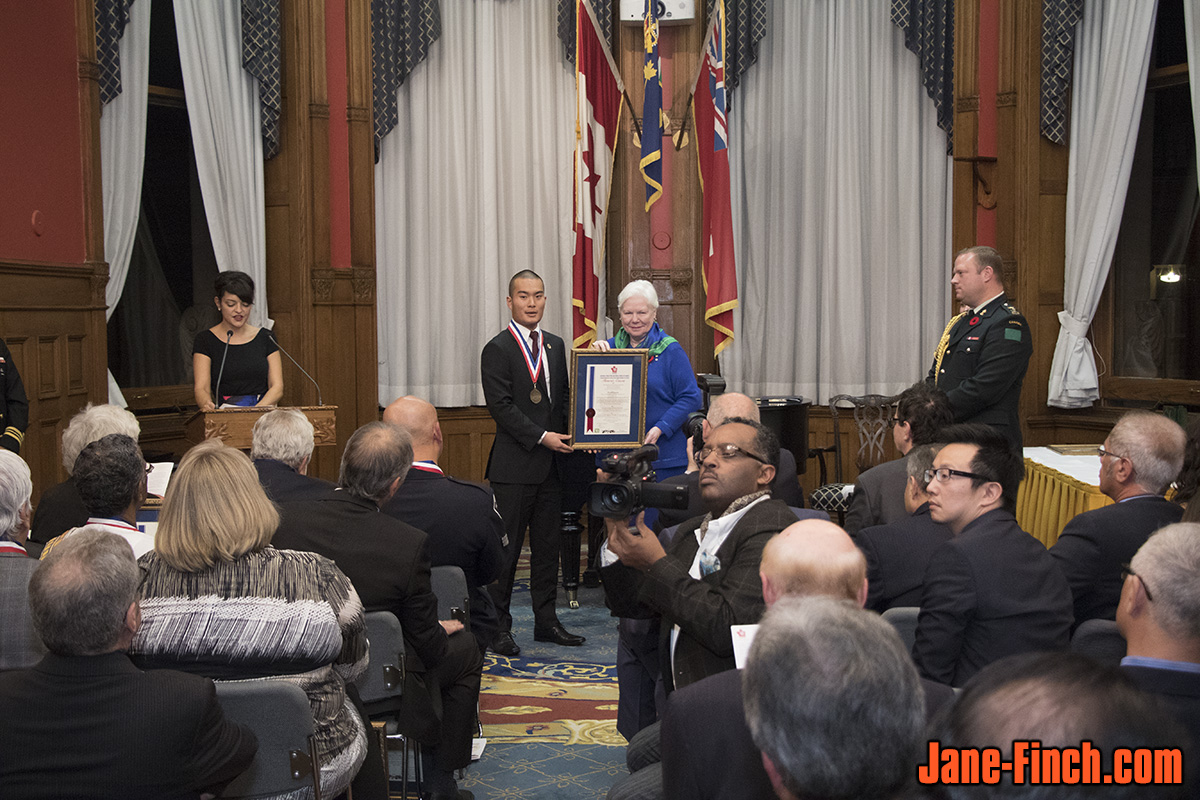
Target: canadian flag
[598, 91]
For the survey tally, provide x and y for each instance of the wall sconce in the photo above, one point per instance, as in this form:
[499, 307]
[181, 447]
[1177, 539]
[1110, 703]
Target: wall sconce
[1164, 273]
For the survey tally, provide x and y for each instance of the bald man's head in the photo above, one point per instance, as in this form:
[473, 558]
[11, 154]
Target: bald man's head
[813, 557]
[731, 404]
[419, 418]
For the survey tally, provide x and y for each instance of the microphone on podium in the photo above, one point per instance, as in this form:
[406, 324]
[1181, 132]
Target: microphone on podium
[297, 363]
[221, 372]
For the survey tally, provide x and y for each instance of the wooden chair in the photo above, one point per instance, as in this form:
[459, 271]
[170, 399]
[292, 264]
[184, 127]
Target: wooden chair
[279, 713]
[872, 414]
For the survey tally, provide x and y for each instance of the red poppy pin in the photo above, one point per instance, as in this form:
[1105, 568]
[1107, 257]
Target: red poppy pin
[974, 321]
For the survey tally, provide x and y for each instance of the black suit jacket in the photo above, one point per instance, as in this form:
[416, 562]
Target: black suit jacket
[284, 484]
[878, 496]
[464, 530]
[984, 367]
[703, 609]
[991, 591]
[786, 487]
[386, 560]
[1180, 691]
[516, 456]
[59, 509]
[897, 557]
[1094, 545]
[98, 727]
[707, 750]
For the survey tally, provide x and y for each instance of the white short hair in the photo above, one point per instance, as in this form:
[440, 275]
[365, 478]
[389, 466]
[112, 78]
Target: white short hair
[16, 487]
[642, 289]
[284, 434]
[93, 423]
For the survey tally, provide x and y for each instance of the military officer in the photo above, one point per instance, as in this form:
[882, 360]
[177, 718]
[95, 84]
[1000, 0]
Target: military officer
[14, 405]
[984, 352]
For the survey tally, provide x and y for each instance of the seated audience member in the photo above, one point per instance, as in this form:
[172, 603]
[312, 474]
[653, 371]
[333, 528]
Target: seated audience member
[279, 613]
[85, 722]
[460, 518]
[992, 590]
[809, 558]
[60, 507]
[921, 411]
[282, 447]
[388, 561]
[20, 645]
[833, 702]
[1159, 616]
[1139, 459]
[785, 486]
[1048, 701]
[898, 553]
[110, 475]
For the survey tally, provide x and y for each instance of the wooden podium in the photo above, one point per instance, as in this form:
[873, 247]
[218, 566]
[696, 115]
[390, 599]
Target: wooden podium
[234, 425]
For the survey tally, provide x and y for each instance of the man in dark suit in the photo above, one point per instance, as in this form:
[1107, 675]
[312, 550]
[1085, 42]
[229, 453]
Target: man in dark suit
[1141, 456]
[984, 352]
[992, 590]
[464, 527]
[708, 580]
[785, 487]
[525, 385]
[898, 554]
[85, 722]
[879, 493]
[808, 558]
[20, 646]
[1159, 616]
[388, 563]
[282, 444]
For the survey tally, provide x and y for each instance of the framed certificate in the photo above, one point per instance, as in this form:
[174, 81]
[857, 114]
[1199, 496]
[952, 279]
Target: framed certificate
[608, 399]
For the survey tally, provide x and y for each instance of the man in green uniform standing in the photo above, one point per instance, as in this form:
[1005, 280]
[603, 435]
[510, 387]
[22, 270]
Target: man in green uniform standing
[983, 354]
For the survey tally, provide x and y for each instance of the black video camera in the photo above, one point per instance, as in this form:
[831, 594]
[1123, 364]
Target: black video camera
[632, 491]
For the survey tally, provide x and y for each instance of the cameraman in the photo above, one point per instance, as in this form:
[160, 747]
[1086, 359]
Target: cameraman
[708, 579]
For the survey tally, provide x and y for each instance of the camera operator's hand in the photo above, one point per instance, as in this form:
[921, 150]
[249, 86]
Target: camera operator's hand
[638, 550]
[558, 442]
[652, 435]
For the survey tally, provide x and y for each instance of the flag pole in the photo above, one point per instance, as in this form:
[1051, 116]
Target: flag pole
[636, 125]
[684, 127]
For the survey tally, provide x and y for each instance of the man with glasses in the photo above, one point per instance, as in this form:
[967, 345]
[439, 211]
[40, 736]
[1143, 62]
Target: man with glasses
[708, 579]
[1141, 456]
[992, 590]
[1159, 616]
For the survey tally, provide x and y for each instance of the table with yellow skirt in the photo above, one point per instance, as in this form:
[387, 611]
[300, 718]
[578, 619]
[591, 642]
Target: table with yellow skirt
[1057, 487]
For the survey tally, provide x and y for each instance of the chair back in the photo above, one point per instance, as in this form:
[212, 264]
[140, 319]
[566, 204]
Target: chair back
[872, 414]
[450, 586]
[1100, 640]
[904, 620]
[384, 678]
[279, 713]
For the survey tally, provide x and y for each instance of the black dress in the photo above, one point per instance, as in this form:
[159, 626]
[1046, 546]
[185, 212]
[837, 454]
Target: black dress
[246, 370]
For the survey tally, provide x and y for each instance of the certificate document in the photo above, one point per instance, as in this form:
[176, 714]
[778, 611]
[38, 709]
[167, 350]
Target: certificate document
[609, 393]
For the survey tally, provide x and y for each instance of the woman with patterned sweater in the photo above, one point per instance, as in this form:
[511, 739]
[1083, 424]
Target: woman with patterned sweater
[219, 601]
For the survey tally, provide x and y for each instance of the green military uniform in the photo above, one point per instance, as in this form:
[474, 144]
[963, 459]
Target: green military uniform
[14, 405]
[981, 363]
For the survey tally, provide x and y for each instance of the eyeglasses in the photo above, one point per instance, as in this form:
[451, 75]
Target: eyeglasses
[726, 451]
[1127, 571]
[149, 468]
[1100, 451]
[944, 474]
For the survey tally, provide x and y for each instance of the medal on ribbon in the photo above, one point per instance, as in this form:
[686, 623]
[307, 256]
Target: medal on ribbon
[533, 362]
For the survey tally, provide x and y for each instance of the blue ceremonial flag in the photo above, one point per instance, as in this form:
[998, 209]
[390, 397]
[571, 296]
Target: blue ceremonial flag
[651, 163]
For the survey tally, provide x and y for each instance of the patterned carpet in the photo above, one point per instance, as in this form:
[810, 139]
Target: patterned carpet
[549, 714]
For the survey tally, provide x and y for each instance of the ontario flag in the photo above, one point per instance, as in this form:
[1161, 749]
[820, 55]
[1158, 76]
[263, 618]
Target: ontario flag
[712, 141]
[598, 91]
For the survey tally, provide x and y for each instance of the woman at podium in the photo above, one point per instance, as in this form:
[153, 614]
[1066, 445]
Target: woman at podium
[236, 363]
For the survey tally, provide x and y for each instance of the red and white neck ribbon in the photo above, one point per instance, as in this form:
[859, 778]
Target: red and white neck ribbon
[428, 466]
[532, 362]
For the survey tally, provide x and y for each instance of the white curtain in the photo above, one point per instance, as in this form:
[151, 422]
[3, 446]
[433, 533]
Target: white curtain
[1191, 17]
[841, 206]
[122, 157]
[224, 114]
[1112, 57]
[473, 185]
